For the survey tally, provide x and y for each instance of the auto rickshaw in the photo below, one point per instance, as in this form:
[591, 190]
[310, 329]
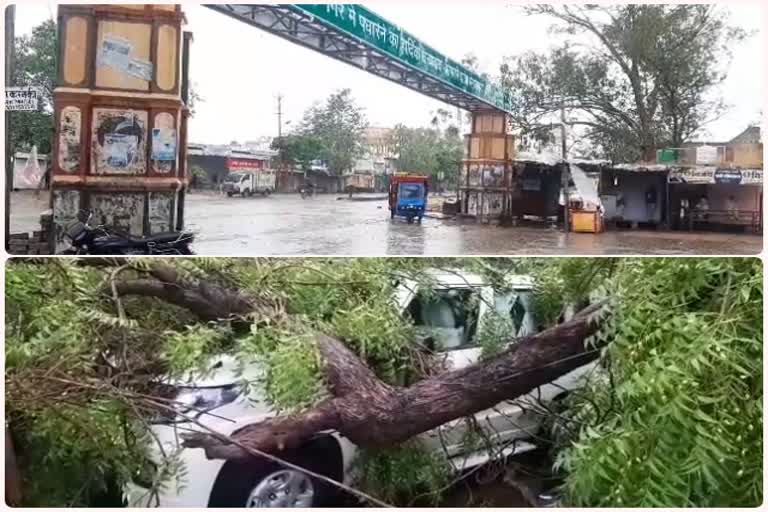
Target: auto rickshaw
[408, 196]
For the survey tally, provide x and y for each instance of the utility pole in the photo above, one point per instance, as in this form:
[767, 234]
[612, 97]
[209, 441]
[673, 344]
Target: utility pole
[565, 172]
[279, 116]
[10, 64]
[564, 145]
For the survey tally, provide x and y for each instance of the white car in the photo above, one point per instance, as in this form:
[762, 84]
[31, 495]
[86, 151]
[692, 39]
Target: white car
[454, 314]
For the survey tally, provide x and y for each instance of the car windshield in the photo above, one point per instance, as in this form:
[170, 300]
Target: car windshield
[411, 190]
[235, 177]
[451, 316]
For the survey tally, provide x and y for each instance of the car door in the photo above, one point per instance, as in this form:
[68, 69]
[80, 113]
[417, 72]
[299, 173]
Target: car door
[513, 419]
[453, 339]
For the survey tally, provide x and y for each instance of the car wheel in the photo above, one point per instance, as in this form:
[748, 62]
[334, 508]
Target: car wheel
[266, 484]
[229, 194]
[282, 488]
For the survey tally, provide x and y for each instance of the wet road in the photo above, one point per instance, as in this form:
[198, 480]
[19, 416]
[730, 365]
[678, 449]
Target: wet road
[323, 225]
[289, 225]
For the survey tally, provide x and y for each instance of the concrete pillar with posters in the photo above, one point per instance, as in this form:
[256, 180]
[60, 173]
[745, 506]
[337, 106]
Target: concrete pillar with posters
[487, 173]
[119, 117]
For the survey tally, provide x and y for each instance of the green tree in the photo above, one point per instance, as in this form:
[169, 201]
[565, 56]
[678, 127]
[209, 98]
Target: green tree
[297, 150]
[638, 77]
[36, 56]
[338, 126]
[435, 151]
[675, 417]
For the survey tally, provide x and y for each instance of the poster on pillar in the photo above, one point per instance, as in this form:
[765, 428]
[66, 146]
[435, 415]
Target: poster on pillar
[119, 141]
[70, 121]
[164, 145]
[124, 212]
[473, 203]
[493, 204]
[160, 212]
[66, 204]
[475, 175]
[493, 176]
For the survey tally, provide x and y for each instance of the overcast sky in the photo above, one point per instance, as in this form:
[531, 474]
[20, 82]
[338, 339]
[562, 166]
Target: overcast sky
[239, 70]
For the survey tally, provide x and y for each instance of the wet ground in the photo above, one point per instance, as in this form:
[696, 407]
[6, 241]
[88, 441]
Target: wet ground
[322, 225]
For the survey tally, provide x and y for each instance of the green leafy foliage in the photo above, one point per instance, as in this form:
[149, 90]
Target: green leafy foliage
[295, 380]
[403, 473]
[436, 151]
[297, 150]
[330, 132]
[679, 421]
[35, 65]
[494, 333]
[565, 282]
[189, 349]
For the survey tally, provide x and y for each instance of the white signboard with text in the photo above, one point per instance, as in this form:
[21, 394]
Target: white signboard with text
[706, 155]
[25, 99]
[712, 176]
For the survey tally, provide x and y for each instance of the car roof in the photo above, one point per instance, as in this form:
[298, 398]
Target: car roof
[445, 278]
[449, 278]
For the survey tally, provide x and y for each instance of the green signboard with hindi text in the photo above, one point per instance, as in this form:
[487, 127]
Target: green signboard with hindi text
[363, 24]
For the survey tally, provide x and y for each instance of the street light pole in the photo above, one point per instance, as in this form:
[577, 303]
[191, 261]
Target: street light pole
[10, 58]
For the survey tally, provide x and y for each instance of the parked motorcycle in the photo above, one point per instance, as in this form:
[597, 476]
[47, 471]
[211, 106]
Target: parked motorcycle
[307, 192]
[103, 240]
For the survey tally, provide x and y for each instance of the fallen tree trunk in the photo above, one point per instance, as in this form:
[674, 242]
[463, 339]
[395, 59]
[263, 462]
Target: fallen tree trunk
[373, 414]
[364, 409]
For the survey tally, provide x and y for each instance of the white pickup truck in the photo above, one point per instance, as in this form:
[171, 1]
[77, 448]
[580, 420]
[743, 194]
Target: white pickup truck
[247, 184]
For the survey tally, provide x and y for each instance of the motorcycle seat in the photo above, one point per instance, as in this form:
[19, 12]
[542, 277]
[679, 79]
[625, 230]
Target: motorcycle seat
[160, 238]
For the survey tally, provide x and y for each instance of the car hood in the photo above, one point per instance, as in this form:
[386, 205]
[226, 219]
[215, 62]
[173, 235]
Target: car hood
[221, 370]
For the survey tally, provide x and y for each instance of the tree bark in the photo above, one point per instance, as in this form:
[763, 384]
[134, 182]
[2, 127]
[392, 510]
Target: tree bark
[371, 413]
[12, 476]
[209, 302]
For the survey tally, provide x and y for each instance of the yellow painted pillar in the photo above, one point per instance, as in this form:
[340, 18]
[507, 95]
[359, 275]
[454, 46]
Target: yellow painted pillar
[118, 116]
[486, 182]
